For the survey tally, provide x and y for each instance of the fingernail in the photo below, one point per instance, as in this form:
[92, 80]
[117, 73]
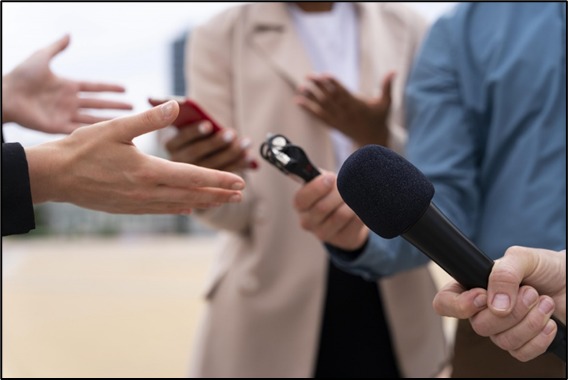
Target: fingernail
[501, 301]
[235, 198]
[328, 181]
[549, 328]
[530, 297]
[205, 127]
[167, 109]
[245, 143]
[251, 162]
[480, 300]
[546, 305]
[238, 186]
[228, 136]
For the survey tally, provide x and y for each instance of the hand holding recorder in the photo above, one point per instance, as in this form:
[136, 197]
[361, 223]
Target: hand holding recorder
[318, 203]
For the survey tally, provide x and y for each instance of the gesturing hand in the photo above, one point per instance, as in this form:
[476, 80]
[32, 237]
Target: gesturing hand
[98, 167]
[363, 120]
[34, 97]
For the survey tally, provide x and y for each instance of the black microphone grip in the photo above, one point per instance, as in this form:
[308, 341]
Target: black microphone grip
[300, 165]
[471, 269]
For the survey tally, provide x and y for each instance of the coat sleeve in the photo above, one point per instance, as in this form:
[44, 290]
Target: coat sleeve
[210, 81]
[17, 206]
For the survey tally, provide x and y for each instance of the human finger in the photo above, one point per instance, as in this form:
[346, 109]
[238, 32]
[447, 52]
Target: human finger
[85, 86]
[58, 46]
[453, 300]
[527, 328]
[538, 345]
[490, 323]
[129, 127]
[313, 191]
[103, 104]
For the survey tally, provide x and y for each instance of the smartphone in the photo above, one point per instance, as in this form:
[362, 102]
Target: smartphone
[189, 113]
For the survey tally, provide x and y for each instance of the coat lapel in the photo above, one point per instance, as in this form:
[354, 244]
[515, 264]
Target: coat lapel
[274, 37]
[369, 50]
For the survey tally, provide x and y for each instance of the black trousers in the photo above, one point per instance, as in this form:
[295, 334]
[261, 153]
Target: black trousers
[355, 339]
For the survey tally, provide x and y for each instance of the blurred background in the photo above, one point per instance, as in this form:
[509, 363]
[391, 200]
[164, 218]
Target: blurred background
[91, 294]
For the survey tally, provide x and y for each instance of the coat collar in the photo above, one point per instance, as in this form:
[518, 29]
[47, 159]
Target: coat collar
[273, 35]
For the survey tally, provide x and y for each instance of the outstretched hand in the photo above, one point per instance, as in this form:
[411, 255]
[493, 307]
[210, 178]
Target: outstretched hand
[98, 167]
[36, 98]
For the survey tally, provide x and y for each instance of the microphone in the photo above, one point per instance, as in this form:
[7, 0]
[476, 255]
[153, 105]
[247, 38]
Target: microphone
[392, 197]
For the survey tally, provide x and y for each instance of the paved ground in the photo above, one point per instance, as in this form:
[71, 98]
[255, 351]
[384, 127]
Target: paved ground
[120, 307]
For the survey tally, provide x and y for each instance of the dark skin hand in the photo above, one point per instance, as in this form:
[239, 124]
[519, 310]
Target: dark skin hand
[363, 120]
[197, 144]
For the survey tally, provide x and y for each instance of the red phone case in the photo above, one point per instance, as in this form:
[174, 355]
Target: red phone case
[189, 113]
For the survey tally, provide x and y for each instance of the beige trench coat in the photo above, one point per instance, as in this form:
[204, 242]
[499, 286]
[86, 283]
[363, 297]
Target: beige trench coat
[266, 290]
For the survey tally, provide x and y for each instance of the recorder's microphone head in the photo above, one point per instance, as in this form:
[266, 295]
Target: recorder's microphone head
[387, 192]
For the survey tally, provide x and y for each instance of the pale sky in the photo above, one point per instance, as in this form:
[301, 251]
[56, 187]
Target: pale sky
[125, 43]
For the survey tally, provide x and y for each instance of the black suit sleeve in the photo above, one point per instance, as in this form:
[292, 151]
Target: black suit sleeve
[17, 207]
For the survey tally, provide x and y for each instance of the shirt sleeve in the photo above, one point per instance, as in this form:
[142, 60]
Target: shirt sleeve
[445, 140]
[442, 144]
[17, 206]
[379, 257]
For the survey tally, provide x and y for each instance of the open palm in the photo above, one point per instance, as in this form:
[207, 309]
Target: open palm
[43, 101]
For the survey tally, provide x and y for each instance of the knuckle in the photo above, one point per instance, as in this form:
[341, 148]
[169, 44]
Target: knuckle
[481, 327]
[305, 223]
[506, 341]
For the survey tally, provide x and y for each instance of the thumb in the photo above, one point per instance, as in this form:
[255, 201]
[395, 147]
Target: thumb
[58, 46]
[386, 88]
[506, 277]
[129, 127]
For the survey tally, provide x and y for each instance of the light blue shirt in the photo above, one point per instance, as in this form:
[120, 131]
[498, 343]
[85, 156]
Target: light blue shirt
[486, 112]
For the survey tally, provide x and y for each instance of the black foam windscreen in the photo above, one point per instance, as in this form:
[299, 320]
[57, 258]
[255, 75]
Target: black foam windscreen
[386, 191]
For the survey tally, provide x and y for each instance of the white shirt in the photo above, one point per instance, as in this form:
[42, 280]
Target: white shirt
[331, 40]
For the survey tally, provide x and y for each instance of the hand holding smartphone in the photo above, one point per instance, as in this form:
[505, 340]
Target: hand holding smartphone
[189, 112]
[219, 149]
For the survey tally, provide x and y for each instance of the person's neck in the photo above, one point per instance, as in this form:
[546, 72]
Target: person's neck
[313, 7]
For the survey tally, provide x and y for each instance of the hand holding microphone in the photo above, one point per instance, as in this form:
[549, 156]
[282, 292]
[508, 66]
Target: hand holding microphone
[318, 203]
[393, 198]
[514, 316]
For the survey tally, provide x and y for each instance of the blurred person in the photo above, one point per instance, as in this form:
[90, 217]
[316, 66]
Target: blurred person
[486, 111]
[275, 306]
[97, 166]
[515, 317]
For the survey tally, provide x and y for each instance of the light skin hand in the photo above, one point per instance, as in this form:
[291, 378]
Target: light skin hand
[323, 212]
[363, 120]
[543, 269]
[34, 97]
[196, 144]
[98, 167]
[517, 319]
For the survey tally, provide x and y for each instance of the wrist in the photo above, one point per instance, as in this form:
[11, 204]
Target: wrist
[375, 129]
[46, 166]
[8, 99]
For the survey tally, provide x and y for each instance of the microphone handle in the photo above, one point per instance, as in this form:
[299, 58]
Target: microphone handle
[437, 237]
